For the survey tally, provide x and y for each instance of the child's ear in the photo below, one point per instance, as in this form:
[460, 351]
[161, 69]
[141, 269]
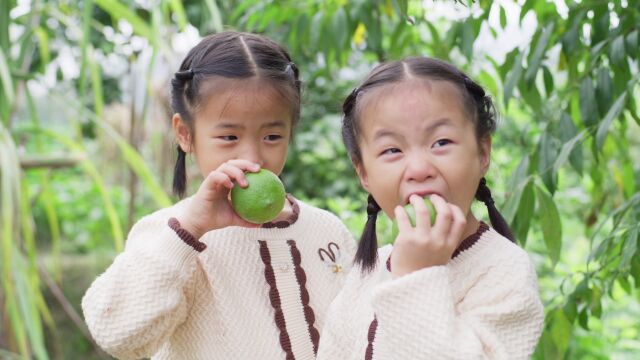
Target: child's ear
[485, 154]
[183, 134]
[362, 174]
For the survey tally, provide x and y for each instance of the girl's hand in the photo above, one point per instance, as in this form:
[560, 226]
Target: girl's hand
[426, 244]
[210, 209]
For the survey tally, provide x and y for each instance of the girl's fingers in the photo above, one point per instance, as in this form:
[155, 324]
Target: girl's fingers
[423, 220]
[444, 215]
[243, 164]
[457, 226]
[216, 178]
[402, 219]
[234, 172]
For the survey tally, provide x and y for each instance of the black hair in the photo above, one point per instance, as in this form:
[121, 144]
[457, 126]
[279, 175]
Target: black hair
[233, 55]
[476, 102]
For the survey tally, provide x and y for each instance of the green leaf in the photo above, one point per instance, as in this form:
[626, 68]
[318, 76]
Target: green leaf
[630, 248]
[604, 90]
[612, 114]
[561, 332]
[523, 217]
[339, 29]
[568, 131]
[550, 223]
[5, 78]
[513, 77]
[566, 150]
[214, 14]
[503, 17]
[401, 7]
[571, 37]
[181, 16]
[616, 51]
[538, 52]
[632, 42]
[548, 81]
[547, 153]
[588, 104]
[120, 11]
[466, 39]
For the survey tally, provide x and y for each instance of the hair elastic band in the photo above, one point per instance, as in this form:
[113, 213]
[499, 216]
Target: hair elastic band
[185, 75]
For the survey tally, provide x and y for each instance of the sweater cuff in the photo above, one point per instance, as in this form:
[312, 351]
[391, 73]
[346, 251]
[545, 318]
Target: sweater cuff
[186, 236]
[171, 248]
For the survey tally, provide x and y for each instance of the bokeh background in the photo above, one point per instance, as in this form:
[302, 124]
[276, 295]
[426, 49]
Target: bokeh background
[86, 147]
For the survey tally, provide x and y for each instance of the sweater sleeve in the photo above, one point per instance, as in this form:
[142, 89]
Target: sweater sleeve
[500, 317]
[338, 337]
[136, 304]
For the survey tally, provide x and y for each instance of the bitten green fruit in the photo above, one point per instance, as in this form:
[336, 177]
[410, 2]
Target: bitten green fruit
[262, 200]
[412, 216]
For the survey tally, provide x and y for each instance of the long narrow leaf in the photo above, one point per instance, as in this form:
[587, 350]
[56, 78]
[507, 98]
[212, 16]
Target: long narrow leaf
[94, 174]
[9, 190]
[550, 224]
[5, 78]
[119, 11]
[612, 114]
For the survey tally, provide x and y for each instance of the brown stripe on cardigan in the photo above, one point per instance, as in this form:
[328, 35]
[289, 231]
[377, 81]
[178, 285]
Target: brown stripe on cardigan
[301, 277]
[274, 297]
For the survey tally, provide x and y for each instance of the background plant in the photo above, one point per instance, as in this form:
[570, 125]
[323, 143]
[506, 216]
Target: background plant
[85, 148]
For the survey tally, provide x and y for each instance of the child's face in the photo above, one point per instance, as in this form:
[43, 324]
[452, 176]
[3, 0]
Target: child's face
[241, 119]
[416, 138]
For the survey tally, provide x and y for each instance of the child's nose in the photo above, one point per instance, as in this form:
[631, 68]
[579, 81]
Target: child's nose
[419, 168]
[252, 153]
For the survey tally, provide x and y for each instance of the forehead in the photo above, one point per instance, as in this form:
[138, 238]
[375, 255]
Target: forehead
[413, 101]
[223, 97]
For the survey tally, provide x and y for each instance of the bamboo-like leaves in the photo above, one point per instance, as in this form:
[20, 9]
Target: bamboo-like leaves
[612, 114]
[6, 79]
[550, 224]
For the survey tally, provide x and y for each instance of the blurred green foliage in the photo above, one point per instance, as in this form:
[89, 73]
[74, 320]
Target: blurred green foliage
[83, 92]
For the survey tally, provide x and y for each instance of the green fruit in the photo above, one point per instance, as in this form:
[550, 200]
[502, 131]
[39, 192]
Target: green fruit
[412, 216]
[262, 200]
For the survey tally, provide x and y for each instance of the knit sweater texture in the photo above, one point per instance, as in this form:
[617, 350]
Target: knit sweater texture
[483, 304]
[253, 293]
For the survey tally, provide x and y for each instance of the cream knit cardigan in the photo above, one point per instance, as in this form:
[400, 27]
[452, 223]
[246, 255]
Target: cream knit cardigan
[251, 294]
[483, 304]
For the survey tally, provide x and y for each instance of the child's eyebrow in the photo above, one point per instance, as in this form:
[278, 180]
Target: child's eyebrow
[228, 125]
[383, 133]
[275, 124]
[272, 124]
[438, 123]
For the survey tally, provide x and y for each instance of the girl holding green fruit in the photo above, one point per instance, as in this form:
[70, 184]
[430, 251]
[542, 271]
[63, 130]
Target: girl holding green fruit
[453, 288]
[199, 281]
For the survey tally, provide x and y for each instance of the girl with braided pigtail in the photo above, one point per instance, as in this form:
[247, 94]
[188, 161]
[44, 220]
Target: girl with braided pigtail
[196, 281]
[456, 288]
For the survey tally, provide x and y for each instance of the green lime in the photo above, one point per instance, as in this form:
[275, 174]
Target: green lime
[412, 216]
[262, 200]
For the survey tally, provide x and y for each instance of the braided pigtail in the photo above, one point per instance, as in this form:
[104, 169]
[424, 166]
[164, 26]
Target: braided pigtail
[497, 221]
[367, 253]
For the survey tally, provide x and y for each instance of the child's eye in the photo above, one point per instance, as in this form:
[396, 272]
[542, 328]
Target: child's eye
[390, 151]
[228, 137]
[441, 143]
[273, 137]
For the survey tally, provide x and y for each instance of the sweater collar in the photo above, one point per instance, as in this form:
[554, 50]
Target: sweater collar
[288, 221]
[465, 244]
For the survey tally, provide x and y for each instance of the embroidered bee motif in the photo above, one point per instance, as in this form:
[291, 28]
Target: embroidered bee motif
[331, 257]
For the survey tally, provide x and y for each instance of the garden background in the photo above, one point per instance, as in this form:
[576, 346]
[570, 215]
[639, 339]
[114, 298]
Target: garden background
[86, 147]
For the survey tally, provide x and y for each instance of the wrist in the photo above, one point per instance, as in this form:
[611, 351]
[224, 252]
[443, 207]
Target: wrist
[186, 234]
[187, 225]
